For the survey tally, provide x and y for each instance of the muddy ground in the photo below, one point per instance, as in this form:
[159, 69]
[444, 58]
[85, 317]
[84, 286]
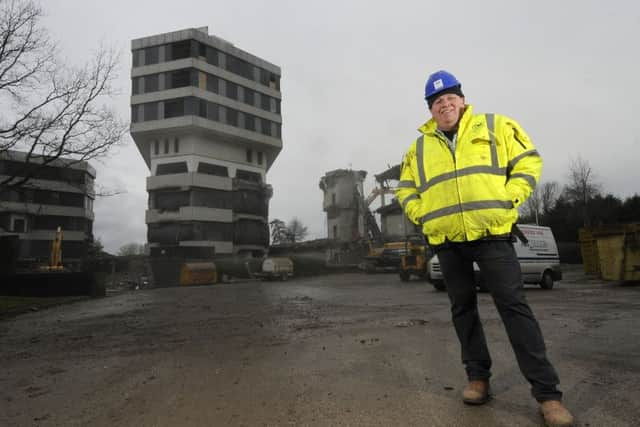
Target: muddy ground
[339, 350]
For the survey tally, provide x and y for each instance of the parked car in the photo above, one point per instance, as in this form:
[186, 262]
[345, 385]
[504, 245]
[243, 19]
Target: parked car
[537, 252]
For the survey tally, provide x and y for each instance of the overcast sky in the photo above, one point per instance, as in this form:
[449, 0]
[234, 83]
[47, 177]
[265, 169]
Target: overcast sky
[353, 75]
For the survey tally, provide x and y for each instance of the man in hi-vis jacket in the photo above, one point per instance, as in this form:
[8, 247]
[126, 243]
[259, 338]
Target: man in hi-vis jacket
[462, 180]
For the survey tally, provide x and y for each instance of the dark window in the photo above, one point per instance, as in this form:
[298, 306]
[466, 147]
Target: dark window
[191, 106]
[20, 169]
[212, 56]
[278, 102]
[249, 155]
[251, 232]
[176, 145]
[278, 130]
[179, 78]
[59, 198]
[19, 226]
[240, 67]
[211, 198]
[210, 169]
[232, 117]
[212, 84]
[180, 50]
[264, 77]
[232, 90]
[150, 111]
[166, 146]
[202, 108]
[170, 200]
[250, 202]
[265, 127]
[250, 122]
[151, 55]
[213, 111]
[135, 113]
[335, 231]
[265, 102]
[156, 147]
[171, 168]
[202, 50]
[151, 83]
[248, 176]
[249, 96]
[135, 58]
[259, 157]
[333, 199]
[274, 81]
[51, 222]
[174, 108]
[135, 85]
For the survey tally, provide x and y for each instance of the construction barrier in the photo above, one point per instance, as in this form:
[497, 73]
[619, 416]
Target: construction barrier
[198, 273]
[612, 251]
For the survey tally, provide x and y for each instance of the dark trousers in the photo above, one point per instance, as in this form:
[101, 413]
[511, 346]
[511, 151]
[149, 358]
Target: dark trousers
[500, 269]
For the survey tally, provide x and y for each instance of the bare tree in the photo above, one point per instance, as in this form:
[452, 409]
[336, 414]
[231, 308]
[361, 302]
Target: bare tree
[48, 109]
[297, 230]
[582, 186]
[549, 192]
[131, 249]
[531, 207]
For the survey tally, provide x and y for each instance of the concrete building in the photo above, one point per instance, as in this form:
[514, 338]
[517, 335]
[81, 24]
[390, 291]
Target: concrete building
[342, 201]
[206, 118]
[394, 224]
[60, 194]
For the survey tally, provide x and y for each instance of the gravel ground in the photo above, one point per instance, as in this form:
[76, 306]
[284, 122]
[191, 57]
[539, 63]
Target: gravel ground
[338, 350]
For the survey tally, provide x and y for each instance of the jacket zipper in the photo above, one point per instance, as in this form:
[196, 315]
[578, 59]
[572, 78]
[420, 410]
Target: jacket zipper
[444, 140]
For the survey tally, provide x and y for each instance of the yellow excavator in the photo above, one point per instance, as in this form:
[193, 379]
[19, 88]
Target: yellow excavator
[55, 258]
[415, 260]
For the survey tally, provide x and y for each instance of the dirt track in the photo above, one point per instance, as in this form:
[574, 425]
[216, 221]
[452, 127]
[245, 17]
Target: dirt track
[336, 350]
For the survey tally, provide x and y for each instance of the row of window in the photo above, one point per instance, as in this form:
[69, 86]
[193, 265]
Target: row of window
[37, 171]
[192, 106]
[44, 197]
[195, 49]
[243, 232]
[191, 77]
[247, 202]
[29, 223]
[206, 168]
[165, 146]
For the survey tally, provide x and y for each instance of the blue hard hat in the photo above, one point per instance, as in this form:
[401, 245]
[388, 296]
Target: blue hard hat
[438, 82]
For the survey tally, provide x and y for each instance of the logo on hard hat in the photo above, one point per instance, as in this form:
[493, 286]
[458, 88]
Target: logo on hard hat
[438, 84]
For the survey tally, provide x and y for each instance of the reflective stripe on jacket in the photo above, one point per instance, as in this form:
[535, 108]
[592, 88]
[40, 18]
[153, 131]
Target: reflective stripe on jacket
[475, 193]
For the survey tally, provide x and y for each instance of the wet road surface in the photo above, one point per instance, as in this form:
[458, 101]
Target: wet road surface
[339, 350]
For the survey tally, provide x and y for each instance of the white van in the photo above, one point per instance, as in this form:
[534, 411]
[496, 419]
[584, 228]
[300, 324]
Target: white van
[538, 256]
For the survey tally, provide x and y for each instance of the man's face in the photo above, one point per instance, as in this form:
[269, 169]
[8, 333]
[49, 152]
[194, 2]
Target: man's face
[446, 110]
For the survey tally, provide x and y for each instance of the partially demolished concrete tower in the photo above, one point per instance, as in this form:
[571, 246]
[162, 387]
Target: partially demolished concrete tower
[342, 202]
[206, 118]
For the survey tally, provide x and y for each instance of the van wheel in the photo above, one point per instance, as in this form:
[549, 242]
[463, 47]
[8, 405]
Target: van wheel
[404, 276]
[284, 277]
[439, 285]
[547, 280]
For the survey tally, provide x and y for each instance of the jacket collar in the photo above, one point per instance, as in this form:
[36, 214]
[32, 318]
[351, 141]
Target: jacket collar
[431, 126]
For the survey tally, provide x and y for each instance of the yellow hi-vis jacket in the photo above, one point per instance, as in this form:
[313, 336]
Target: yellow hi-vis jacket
[474, 193]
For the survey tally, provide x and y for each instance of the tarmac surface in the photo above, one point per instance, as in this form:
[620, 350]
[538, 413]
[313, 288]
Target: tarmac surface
[338, 350]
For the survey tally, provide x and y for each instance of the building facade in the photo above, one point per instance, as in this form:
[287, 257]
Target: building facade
[394, 224]
[59, 194]
[342, 200]
[206, 118]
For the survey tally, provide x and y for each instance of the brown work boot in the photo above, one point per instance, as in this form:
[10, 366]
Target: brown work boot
[555, 414]
[476, 392]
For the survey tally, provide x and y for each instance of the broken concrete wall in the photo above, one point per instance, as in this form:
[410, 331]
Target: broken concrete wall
[342, 190]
